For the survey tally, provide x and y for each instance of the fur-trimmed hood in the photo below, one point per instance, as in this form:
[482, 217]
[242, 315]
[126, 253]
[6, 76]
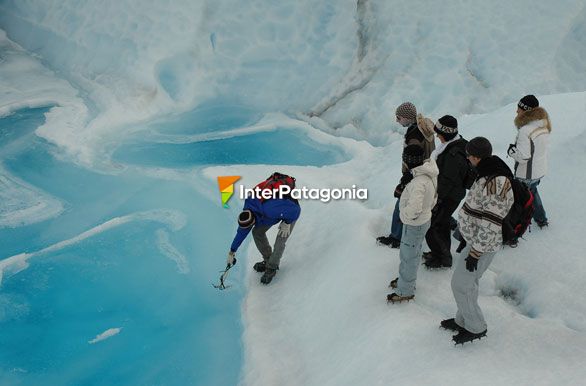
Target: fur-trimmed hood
[536, 114]
[425, 126]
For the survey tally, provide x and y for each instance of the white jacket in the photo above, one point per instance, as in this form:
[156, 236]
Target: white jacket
[530, 154]
[419, 196]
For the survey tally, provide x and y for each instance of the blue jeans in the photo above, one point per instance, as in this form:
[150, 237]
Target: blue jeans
[410, 256]
[539, 214]
[396, 224]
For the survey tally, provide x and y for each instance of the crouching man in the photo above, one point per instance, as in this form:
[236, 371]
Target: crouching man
[259, 216]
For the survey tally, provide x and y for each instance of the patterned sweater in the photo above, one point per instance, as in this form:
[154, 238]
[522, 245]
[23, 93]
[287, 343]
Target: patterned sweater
[480, 218]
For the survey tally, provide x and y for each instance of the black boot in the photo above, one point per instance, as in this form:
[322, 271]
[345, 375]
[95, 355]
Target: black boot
[267, 277]
[395, 298]
[542, 224]
[513, 243]
[466, 336]
[435, 262]
[389, 241]
[450, 324]
[260, 266]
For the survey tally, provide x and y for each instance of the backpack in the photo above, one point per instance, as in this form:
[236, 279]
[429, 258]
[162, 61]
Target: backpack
[274, 181]
[519, 217]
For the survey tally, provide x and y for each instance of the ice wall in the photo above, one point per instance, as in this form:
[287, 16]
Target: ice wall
[345, 63]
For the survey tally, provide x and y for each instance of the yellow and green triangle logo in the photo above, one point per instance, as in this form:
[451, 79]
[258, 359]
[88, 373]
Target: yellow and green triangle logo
[226, 184]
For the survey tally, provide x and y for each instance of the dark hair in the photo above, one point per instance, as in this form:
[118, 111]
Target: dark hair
[479, 147]
[413, 155]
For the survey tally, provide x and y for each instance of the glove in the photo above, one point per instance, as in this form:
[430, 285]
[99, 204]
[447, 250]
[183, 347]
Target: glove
[231, 261]
[405, 179]
[512, 149]
[284, 229]
[398, 191]
[471, 263]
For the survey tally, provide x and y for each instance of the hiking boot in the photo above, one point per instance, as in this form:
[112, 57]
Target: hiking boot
[267, 277]
[512, 243]
[260, 266]
[450, 324]
[466, 336]
[394, 298]
[542, 224]
[389, 241]
[393, 284]
[436, 262]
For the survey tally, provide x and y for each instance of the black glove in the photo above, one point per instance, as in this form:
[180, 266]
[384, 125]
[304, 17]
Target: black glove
[471, 263]
[405, 179]
[398, 190]
[512, 149]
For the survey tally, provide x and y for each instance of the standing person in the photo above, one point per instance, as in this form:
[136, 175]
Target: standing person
[480, 222]
[530, 150]
[455, 176]
[418, 197]
[259, 216]
[419, 132]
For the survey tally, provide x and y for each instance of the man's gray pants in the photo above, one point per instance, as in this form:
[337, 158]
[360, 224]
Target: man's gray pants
[272, 257]
[465, 289]
[410, 256]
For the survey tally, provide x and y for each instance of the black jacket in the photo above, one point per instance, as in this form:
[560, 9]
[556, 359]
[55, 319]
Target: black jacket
[414, 135]
[455, 173]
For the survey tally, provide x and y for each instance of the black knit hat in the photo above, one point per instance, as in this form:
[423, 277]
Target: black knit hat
[446, 125]
[246, 219]
[528, 103]
[413, 156]
[479, 147]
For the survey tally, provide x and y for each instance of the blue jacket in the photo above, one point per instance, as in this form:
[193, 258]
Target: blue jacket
[267, 213]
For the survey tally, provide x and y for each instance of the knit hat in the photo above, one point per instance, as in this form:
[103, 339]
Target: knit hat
[528, 103]
[446, 125]
[479, 147]
[413, 156]
[246, 219]
[407, 110]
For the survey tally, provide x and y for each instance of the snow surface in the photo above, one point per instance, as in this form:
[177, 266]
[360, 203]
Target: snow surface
[334, 71]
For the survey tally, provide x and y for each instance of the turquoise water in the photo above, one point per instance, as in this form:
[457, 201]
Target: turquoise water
[279, 147]
[176, 328]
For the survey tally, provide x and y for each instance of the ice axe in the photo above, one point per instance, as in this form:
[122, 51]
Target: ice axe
[223, 276]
